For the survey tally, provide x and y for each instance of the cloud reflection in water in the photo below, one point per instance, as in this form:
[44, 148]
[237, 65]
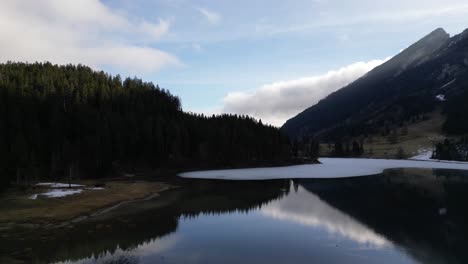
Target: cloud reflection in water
[308, 209]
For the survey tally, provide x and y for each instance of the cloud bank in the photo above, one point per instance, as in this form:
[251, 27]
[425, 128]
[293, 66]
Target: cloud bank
[275, 103]
[85, 31]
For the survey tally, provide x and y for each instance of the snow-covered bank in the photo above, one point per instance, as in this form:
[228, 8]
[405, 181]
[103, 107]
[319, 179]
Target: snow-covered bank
[330, 168]
[424, 154]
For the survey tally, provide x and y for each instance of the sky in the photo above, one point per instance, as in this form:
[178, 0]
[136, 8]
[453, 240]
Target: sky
[270, 59]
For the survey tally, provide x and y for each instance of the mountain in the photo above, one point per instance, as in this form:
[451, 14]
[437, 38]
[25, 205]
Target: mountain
[430, 74]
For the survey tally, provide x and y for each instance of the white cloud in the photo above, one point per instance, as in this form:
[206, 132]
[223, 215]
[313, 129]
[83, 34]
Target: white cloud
[155, 31]
[275, 103]
[85, 31]
[211, 16]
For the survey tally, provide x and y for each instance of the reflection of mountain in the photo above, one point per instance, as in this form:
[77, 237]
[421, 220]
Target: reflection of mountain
[424, 214]
[306, 208]
[139, 224]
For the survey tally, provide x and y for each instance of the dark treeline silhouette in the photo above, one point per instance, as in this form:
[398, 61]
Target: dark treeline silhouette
[306, 149]
[457, 114]
[71, 121]
[452, 149]
[346, 148]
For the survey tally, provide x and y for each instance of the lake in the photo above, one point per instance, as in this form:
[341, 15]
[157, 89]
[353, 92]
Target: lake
[399, 216]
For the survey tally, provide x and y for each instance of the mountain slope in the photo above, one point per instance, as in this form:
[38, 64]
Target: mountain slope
[403, 88]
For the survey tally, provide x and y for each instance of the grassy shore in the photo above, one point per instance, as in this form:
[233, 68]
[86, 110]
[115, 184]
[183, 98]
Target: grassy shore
[16, 206]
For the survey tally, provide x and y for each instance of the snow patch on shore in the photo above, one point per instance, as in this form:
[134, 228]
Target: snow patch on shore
[58, 185]
[56, 193]
[329, 168]
[424, 154]
[60, 193]
[56, 190]
[441, 97]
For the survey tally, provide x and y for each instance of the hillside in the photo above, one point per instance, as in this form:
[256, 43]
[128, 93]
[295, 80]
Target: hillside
[71, 121]
[413, 139]
[430, 74]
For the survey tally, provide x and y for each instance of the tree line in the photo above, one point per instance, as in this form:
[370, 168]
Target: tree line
[452, 149]
[72, 120]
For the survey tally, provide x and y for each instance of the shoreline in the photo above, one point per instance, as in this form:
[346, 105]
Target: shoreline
[18, 210]
[44, 213]
[108, 209]
[330, 168]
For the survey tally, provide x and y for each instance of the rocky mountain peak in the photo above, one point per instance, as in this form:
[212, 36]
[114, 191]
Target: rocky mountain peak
[415, 54]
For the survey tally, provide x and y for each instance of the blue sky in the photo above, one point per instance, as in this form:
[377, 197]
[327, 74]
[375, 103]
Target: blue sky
[240, 56]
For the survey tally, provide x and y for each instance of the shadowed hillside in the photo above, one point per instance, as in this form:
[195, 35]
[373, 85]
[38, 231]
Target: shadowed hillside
[431, 73]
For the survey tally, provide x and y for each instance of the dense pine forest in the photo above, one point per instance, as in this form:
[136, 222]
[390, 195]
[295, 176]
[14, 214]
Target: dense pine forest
[457, 114]
[70, 121]
[452, 149]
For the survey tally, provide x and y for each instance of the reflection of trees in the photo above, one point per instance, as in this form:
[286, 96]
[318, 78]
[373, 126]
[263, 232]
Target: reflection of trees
[137, 223]
[216, 197]
[122, 260]
[405, 207]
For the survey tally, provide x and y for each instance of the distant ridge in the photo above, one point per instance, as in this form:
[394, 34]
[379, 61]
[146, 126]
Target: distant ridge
[401, 89]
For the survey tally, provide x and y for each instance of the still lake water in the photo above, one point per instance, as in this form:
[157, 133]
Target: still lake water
[400, 216]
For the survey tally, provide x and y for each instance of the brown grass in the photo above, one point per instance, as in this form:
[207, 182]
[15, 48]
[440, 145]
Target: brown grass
[421, 135]
[16, 206]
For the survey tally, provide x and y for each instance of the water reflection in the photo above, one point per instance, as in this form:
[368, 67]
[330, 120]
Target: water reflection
[401, 216]
[424, 212]
[134, 225]
[308, 209]
[129, 256]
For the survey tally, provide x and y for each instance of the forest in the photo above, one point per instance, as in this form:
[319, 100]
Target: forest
[457, 114]
[451, 149]
[72, 121]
